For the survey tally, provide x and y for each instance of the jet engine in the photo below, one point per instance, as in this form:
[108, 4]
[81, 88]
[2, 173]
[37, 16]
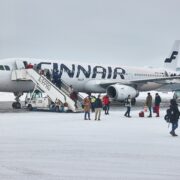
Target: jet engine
[120, 92]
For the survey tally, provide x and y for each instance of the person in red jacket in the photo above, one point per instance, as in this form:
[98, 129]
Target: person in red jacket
[106, 103]
[29, 66]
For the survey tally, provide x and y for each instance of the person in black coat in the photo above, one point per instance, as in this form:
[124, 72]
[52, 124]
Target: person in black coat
[98, 108]
[157, 104]
[174, 116]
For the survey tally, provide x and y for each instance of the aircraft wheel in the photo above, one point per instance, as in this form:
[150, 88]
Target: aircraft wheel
[16, 105]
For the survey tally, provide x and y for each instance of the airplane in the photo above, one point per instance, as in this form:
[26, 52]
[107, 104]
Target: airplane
[117, 81]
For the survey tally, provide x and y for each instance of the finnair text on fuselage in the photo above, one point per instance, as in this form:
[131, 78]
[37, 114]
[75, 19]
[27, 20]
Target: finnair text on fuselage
[89, 71]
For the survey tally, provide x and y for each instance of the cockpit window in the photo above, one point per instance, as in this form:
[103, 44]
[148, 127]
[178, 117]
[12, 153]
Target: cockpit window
[7, 68]
[1, 67]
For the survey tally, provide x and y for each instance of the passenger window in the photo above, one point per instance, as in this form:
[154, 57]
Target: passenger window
[1, 67]
[7, 68]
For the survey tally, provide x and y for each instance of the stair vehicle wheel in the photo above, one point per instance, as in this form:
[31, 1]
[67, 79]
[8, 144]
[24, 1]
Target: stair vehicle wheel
[57, 108]
[30, 108]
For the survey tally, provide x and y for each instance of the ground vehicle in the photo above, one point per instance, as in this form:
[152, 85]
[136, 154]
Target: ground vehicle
[176, 96]
[37, 100]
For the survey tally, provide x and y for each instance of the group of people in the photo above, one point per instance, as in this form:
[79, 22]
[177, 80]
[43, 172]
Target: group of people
[53, 76]
[148, 104]
[173, 112]
[91, 103]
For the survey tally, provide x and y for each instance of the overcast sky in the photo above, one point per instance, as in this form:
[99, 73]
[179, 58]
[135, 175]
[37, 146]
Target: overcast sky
[123, 32]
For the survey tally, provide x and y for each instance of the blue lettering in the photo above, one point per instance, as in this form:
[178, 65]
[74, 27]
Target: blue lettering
[99, 70]
[85, 72]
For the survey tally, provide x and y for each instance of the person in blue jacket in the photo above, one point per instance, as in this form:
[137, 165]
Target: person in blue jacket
[174, 116]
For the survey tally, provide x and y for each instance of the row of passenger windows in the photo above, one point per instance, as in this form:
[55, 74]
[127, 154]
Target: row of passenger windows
[5, 67]
[152, 75]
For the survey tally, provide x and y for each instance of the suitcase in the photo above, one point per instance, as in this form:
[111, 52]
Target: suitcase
[141, 114]
[154, 109]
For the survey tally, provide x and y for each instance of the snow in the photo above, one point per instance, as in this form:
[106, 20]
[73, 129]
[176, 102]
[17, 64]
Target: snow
[63, 146]
[4, 96]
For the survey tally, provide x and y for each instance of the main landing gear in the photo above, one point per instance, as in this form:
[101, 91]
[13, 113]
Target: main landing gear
[17, 104]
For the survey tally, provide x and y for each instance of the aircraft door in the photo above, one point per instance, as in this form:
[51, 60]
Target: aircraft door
[21, 64]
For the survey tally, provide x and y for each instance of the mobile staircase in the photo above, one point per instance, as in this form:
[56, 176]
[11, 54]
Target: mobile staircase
[45, 85]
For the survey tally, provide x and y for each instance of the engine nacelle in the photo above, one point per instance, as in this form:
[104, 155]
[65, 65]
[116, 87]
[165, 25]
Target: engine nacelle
[121, 92]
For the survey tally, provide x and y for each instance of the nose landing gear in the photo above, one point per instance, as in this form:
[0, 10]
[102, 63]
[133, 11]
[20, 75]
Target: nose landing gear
[17, 104]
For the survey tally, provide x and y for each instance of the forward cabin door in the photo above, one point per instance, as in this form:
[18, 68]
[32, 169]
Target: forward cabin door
[21, 64]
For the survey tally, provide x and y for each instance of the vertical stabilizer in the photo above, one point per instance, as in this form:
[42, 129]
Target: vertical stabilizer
[172, 60]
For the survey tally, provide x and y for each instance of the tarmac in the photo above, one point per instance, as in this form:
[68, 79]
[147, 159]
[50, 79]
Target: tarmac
[6, 106]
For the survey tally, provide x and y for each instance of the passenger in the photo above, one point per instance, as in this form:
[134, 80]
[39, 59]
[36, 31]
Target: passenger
[149, 104]
[157, 104]
[128, 105]
[55, 77]
[48, 75]
[57, 103]
[66, 108]
[29, 66]
[61, 109]
[174, 116]
[41, 72]
[35, 67]
[93, 99]
[70, 89]
[98, 108]
[39, 68]
[74, 97]
[59, 83]
[106, 103]
[87, 107]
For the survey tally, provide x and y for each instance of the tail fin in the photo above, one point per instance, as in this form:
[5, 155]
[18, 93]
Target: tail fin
[171, 62]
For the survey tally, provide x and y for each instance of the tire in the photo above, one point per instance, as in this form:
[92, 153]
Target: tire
[16, 105]
[30, 108]
[57, 109]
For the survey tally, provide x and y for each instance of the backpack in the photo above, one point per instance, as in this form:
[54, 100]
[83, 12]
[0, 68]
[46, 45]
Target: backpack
[168, 115]
[126, 102]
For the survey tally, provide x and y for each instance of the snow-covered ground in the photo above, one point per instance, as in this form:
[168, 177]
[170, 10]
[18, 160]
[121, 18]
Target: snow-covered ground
[52, 146]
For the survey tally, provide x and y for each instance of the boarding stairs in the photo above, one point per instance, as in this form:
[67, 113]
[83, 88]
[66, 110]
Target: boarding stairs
[54, 93]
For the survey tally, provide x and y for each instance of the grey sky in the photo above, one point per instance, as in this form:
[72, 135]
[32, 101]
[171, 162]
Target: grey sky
[124, 32]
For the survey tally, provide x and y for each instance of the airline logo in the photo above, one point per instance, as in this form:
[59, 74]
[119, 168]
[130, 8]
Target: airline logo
[173, 56]
[89, 71]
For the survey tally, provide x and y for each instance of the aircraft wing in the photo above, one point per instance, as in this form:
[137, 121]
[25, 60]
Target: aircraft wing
[162, 80]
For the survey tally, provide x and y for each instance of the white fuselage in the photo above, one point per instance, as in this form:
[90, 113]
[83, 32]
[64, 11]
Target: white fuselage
[83, 77]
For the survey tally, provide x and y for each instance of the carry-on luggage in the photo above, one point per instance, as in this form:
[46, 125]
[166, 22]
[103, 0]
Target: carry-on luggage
[141, 114]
